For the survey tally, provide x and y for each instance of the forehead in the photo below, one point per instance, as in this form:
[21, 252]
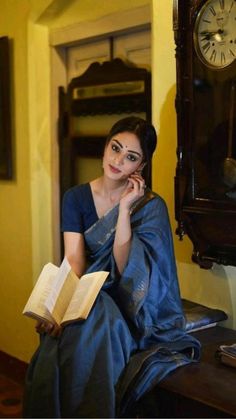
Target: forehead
[128, 140]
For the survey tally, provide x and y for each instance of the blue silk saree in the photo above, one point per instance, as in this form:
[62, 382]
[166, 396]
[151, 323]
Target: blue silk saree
[134, 335]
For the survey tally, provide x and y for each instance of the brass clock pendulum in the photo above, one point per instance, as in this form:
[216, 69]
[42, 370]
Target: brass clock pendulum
[229, 165]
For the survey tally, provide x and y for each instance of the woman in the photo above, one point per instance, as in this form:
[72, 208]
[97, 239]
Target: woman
[134, 334]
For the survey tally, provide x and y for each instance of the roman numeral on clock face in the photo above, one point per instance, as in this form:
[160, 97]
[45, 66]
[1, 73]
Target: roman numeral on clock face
[222, 4]
[233, 2]
[213, 55]
[222, 58]
[212, 10]
[206, 47]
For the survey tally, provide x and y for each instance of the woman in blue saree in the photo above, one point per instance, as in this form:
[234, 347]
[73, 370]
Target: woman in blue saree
[135, 333]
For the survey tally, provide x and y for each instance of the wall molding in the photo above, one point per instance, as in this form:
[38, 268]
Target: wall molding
[113, 23]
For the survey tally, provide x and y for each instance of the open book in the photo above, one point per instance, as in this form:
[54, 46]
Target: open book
[60, 297]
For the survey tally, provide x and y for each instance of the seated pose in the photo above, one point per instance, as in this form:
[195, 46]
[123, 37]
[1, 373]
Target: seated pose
[135, 332]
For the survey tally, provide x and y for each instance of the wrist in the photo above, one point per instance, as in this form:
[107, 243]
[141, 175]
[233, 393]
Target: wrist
[124, 210]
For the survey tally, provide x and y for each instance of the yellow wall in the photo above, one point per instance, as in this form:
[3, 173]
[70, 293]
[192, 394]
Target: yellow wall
[26, 221]
[15, 209]
[66, 12]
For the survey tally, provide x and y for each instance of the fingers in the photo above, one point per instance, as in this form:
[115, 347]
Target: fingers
[49, 328]
[56, 331]
[138, 183]
[134, 191]
[40, 326]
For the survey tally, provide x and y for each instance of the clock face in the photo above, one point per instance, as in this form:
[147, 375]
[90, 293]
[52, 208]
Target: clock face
[215, 33]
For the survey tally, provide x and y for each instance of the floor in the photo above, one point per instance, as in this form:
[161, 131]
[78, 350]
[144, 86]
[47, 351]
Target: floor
[12, 377]
[11, 393]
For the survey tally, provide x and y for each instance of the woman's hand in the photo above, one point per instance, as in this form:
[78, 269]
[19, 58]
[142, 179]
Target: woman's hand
[135, 189]
[47, 327]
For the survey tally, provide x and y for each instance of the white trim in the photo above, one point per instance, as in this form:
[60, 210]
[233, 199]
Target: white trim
[132, 19]
[58, 78]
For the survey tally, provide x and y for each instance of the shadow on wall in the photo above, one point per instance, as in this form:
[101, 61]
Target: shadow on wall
[165, 167]
[212, 287]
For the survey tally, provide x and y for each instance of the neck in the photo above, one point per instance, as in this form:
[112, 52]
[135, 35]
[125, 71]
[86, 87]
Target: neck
[110, 188]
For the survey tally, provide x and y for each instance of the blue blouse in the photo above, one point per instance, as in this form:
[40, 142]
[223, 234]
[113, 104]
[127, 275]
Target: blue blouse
[78, 209]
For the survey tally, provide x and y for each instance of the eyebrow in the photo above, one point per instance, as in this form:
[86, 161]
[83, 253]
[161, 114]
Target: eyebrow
[130, 151]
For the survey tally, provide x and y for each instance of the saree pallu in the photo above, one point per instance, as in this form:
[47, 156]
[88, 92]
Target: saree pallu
[134, 335]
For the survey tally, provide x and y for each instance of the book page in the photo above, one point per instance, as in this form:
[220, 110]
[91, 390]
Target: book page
[44, 316]
[62, 291]
[35, 306]
[64, 297]
[84, 296]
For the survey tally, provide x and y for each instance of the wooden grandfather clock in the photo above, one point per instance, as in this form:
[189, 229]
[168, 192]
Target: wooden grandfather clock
[205, 181]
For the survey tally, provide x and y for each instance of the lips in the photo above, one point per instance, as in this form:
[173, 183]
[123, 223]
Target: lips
[114, 169]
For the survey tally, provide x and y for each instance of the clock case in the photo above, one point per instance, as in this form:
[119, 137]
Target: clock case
[205, 200]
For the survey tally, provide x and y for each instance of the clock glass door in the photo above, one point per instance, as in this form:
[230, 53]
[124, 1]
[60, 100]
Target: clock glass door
[205, 181]
[214, 144]
[214, 83]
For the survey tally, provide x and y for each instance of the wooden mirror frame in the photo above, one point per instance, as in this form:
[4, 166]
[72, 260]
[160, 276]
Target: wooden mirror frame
[119, 76]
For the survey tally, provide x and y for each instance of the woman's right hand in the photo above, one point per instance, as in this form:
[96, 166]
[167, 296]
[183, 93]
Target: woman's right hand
[135, 189]
[47, 327]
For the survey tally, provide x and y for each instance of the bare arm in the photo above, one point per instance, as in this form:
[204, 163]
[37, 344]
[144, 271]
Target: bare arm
[75, 251]
[122, 240]
[123, 236]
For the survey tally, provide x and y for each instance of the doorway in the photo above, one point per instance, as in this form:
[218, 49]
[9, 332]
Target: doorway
[72, 52]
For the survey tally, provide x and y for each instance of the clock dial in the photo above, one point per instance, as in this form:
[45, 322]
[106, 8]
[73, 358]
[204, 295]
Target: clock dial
[215, 33]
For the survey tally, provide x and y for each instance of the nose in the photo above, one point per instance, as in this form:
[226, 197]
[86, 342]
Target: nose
[119, 159]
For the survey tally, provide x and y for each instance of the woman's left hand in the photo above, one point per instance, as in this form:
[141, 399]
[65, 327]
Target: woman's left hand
[135, 190]
[49, 328]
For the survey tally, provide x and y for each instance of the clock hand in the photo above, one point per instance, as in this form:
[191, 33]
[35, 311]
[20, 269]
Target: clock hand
[213, 34]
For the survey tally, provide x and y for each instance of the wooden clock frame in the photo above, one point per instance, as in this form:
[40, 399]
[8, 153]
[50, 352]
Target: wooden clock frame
[206, 212]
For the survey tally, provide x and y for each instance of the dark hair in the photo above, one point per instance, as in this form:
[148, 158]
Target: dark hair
[146, 134]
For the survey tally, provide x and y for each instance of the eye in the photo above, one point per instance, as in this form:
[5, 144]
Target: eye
[131, 157]
[115, 147]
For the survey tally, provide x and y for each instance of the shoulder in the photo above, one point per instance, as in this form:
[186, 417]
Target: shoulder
[78, 190]
[157, 210]
[152, 207]
[155, 201]
[75, 208]
[76, 194]
[160, 201]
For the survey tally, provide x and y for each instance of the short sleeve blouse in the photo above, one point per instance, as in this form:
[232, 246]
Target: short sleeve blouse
[78, 209]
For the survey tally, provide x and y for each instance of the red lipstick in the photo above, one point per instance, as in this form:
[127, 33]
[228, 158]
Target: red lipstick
[114, 169]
